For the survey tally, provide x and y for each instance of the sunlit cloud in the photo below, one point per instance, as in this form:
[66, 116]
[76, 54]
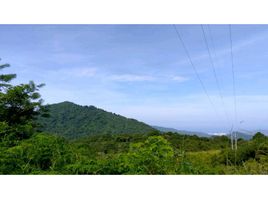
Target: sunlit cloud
[78, 72]
[131, 77]
[179, 78]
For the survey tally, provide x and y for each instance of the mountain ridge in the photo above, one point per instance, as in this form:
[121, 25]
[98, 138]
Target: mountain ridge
[165, 129]
[242, 135]
[74, 121]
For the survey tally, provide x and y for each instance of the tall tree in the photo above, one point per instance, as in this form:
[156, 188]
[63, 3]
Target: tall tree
[19, 107]
[5, 78]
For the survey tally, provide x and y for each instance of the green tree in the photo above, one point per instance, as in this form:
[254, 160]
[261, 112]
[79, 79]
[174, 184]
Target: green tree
[259, 137]
[19, 107]
[5, 78]
[261, 146]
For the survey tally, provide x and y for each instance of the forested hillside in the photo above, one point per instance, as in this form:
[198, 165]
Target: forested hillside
[74, 121]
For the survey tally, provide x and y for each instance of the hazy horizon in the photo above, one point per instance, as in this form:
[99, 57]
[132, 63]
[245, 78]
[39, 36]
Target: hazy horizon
[142, 71]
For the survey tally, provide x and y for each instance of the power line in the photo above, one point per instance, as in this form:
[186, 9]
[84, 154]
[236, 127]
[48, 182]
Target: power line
[194, 68]
[234, 88]
[214, 72]
[212, 41]
[216, 58]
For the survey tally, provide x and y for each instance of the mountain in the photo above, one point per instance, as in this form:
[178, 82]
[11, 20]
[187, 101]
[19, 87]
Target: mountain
[183, 132]
[164, 129]
[242, 135]
[74, 121]
[247, 135]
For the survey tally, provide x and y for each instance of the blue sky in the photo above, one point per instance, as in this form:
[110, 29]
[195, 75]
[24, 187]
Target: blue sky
[142, 71]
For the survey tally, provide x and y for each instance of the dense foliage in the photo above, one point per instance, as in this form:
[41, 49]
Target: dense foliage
[19, 107]
[73, 121]
[152, 153]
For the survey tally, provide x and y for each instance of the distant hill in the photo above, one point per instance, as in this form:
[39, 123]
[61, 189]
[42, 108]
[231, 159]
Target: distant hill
[247, 135]
[74, 121]
[164, 129]
[244, 136]
[183, 132]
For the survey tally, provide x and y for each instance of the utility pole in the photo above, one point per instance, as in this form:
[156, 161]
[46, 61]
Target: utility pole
[232, 138]
[235, 140]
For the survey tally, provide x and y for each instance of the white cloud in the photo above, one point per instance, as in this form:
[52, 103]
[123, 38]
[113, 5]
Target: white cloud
[135, 78]
[79, 71]
[179, 78]
[65, 58]
[218, 134]
[131, 77]
[85, 72]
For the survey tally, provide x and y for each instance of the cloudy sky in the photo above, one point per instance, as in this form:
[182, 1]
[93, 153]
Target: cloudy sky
[142, 71]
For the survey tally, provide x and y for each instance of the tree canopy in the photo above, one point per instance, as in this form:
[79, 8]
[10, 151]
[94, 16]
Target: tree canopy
[19, 107]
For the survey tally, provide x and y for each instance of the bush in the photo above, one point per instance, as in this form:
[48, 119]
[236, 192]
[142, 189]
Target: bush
[40, 153]
[154, 156]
